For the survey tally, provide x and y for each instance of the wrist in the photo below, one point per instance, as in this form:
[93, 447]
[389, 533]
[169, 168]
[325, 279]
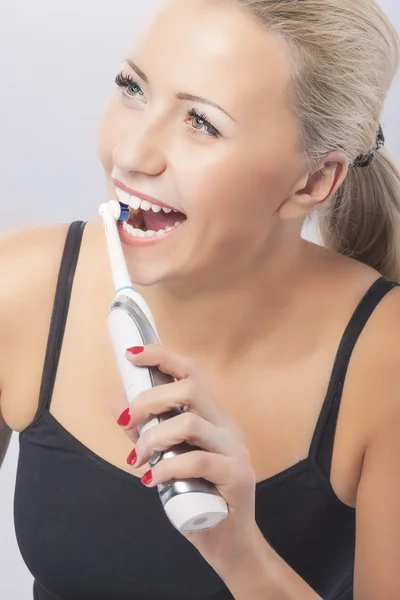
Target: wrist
[247, 563]
[261, 574]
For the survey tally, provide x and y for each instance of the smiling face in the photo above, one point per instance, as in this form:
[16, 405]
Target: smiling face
[200, 122]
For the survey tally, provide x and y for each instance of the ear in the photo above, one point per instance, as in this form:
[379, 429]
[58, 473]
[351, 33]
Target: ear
[315, 187]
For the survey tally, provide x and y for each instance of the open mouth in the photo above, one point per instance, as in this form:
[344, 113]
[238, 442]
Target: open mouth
[147, 219]
[154, 222]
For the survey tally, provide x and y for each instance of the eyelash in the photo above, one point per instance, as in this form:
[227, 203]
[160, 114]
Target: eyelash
[210, 129]
[125, 81]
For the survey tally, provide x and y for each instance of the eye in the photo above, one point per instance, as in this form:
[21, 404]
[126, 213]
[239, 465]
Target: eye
[200, 124]
[132, 89]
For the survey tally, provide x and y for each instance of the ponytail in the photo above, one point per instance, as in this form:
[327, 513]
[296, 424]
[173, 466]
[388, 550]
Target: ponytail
[345, 56]
[363, 218]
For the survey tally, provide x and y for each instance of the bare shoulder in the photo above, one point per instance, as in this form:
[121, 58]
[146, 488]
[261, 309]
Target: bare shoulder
[29, 264]
[382, 358]
[29, 258]
[379, 348]
[26, 252]
[371, 383]
[378, 490]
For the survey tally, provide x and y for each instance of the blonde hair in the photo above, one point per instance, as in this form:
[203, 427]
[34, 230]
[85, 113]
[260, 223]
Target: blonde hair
[345, 56]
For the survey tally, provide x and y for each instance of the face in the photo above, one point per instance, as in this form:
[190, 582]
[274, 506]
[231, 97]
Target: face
[199, 122]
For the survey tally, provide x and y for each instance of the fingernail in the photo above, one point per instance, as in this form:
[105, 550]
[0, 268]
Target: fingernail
[135, 349]
[147, 478]
[124, 418]
[132, 458]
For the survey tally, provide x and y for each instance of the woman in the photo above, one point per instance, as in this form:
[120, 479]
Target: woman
[242, 119]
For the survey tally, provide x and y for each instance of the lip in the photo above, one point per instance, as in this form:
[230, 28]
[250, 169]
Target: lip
[146, 241]
[132, 192]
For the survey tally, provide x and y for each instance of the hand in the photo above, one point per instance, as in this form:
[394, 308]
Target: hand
[221, 456]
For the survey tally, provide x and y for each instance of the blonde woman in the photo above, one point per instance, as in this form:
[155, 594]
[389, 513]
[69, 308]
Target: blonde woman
[231, 123]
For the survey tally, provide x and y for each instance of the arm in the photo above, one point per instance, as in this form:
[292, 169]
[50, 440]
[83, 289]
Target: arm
[5, 436]
[377, 567]
[264, 575]
[5, 431]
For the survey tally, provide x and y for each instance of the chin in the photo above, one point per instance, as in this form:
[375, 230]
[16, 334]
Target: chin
[152, 273]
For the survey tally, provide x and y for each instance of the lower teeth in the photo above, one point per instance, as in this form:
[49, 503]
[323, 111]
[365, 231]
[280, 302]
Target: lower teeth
[149, 233]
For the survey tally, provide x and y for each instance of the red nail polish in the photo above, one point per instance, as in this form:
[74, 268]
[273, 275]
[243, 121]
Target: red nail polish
[135, 349]
[132, 458]
[124, 418]
[147, 478]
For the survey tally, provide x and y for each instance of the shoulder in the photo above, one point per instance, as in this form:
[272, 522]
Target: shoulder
[383, 375]
[382, 341]
[29, 264]
[28, 259]
[369, 383]
[376, 362]
[378, 494]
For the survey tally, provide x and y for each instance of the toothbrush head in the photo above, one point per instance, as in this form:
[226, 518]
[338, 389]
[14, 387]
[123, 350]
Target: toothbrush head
[118, 210]
[124, 212]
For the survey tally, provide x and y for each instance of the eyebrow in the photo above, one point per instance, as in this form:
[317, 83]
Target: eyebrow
[181, 95]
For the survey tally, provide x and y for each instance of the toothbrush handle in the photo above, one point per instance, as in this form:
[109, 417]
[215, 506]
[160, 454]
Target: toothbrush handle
[191, 504]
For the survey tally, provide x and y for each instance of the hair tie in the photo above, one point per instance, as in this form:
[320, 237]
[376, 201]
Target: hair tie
[364, 160]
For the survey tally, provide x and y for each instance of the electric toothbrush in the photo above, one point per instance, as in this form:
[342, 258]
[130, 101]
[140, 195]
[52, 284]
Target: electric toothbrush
[192, 504]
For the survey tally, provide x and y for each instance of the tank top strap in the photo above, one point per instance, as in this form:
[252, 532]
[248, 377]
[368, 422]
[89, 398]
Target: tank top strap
[321, 449]
[60, 312]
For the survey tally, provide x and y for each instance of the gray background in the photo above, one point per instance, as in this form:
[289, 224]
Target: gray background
[57, 62]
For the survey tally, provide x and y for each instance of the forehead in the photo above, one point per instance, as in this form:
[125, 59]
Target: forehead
[201, 47]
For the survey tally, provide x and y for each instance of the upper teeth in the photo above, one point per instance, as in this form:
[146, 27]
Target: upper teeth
[137, 203]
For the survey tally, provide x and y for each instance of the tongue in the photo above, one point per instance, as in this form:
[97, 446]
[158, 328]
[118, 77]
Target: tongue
[161, 220]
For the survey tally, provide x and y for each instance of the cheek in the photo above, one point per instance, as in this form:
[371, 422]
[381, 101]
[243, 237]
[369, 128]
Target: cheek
[232, 188]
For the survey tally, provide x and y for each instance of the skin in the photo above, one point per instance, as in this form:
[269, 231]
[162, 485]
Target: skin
[246, 194]
[251, 297]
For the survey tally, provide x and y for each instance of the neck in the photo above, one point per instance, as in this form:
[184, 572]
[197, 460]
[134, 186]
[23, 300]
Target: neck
[224, 324]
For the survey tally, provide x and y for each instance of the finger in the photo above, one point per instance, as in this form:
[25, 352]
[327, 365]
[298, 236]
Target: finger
[173, 396]
[186, 427]
[232, 480]
[117, 405]
[120, 410]
[156, 355]
[133, 435]
[194, 464]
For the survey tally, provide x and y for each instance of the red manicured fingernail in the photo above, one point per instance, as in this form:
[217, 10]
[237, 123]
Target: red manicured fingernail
[147, 478]
[132, 458]
[124, 418]
[135, 349]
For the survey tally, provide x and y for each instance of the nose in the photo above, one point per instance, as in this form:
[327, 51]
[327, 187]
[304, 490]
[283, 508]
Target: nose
[141, 149]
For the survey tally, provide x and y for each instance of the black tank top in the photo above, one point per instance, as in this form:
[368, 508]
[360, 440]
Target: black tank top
[88, 530]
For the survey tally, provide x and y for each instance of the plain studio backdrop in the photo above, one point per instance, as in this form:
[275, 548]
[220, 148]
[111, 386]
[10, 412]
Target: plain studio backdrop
[58, 61]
